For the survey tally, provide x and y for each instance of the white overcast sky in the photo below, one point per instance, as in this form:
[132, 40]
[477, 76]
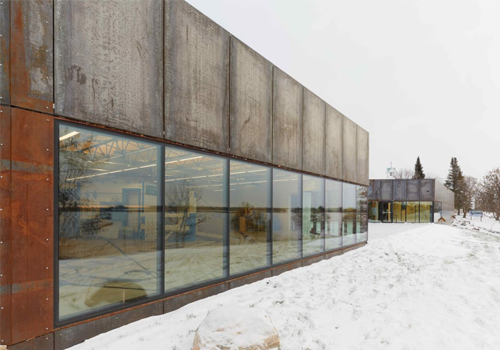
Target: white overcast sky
[423, 77]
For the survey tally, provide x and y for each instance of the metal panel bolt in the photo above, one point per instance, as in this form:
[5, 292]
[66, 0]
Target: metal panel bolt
[47, 239]
[46, 298]
[47, 149]
[46, 267]
[47, 209]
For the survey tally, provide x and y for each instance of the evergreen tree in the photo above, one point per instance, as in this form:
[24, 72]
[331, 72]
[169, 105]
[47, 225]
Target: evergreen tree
[419, 170]
[455, 182]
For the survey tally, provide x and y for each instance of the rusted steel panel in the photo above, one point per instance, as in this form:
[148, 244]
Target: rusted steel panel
[314, 134]
[251, 103]
[362, 149]
[333, 254]
[249, 279]
[32, 225]
[196, 78]
[45, 342]
[179, 301]
[334, 137]
[349, 152]
[312, 260]
[73, 335]
[5, 52]
[288, 267]
[109, 63]
[32, 54]
[5, 224]
[288, 97]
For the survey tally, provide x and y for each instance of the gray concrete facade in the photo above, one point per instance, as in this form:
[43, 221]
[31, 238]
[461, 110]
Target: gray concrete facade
[109, 63]
[160, 68]
[196, 78]
[314, 134]
[288, 97]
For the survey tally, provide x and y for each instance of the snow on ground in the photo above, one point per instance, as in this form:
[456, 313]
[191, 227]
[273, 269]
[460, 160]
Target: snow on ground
[428, 287]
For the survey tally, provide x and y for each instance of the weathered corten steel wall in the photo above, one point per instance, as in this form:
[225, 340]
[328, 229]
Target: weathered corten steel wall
[4, 52]
[109, 63]
[288, 97]
[5, 224]
[314, 133]
[196, 78]
[251, 80]
[158, 68]
[349, 151]
[32, 230]
[407, 190]
[31, 84]
[334, 142]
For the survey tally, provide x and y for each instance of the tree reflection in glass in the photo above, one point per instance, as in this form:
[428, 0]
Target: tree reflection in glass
[333, 227]
[250, 197]
[313, 215]
[195, 212]
[349, 214]
[108, 220]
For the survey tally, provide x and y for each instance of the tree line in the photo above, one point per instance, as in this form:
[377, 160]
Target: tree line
[483, 194]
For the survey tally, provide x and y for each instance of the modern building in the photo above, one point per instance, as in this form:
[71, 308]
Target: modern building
[148, 158]
[425, 200]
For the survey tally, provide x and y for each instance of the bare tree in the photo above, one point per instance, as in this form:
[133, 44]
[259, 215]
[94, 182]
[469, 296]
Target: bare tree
[468, 186]
[489, 193]
[404, 173]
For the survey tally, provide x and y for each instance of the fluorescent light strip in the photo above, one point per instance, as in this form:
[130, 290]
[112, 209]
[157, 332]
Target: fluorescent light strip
[67, 136]
[183, 160]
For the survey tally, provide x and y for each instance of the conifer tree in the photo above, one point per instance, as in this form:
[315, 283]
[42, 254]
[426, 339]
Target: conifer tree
[455, 182]
[419, 170]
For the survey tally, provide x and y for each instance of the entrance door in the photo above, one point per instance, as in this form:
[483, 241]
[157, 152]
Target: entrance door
[385, 211]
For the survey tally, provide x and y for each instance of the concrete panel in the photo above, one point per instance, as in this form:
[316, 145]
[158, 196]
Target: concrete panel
[399, 190]
[179, 301]
[413, 190]
[287, 120]
[334, 142]
[349, 151]
[5, 225]
[251, 103]
[362, 176]
[314, 134]
[427, 189]
[32, 224]
[32, 54]
[196, 78]
[108, 66]
[386, 190]
[5, 52]
[249, 279]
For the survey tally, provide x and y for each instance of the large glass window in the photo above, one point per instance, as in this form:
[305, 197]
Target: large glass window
[349, 213]
[373, 211]
[195, 216]
[287, 216]
[313, 218]
[108, 207]
[426, 211]
[250, 198]
[333, 218]
[361, 214]
[399, 211]
[412, 212]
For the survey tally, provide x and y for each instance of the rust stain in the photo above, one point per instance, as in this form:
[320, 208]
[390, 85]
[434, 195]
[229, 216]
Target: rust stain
[31, 283]
[31, 86]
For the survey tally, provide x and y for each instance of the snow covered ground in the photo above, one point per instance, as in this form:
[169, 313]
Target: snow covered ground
[413, 286]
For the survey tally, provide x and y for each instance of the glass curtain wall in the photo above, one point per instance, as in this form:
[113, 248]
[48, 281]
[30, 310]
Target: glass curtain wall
[373, 211]
[287, 216]
[361, 213]
[349, 213]
[399, 211]
[412, 212]
[108, 208]
[138, 219]
[250, 217]
[333, 218]
[195, 216]
[426, 211]
[313, 218]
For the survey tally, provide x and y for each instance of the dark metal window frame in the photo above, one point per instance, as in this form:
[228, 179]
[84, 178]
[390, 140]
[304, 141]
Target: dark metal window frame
[89, 314]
